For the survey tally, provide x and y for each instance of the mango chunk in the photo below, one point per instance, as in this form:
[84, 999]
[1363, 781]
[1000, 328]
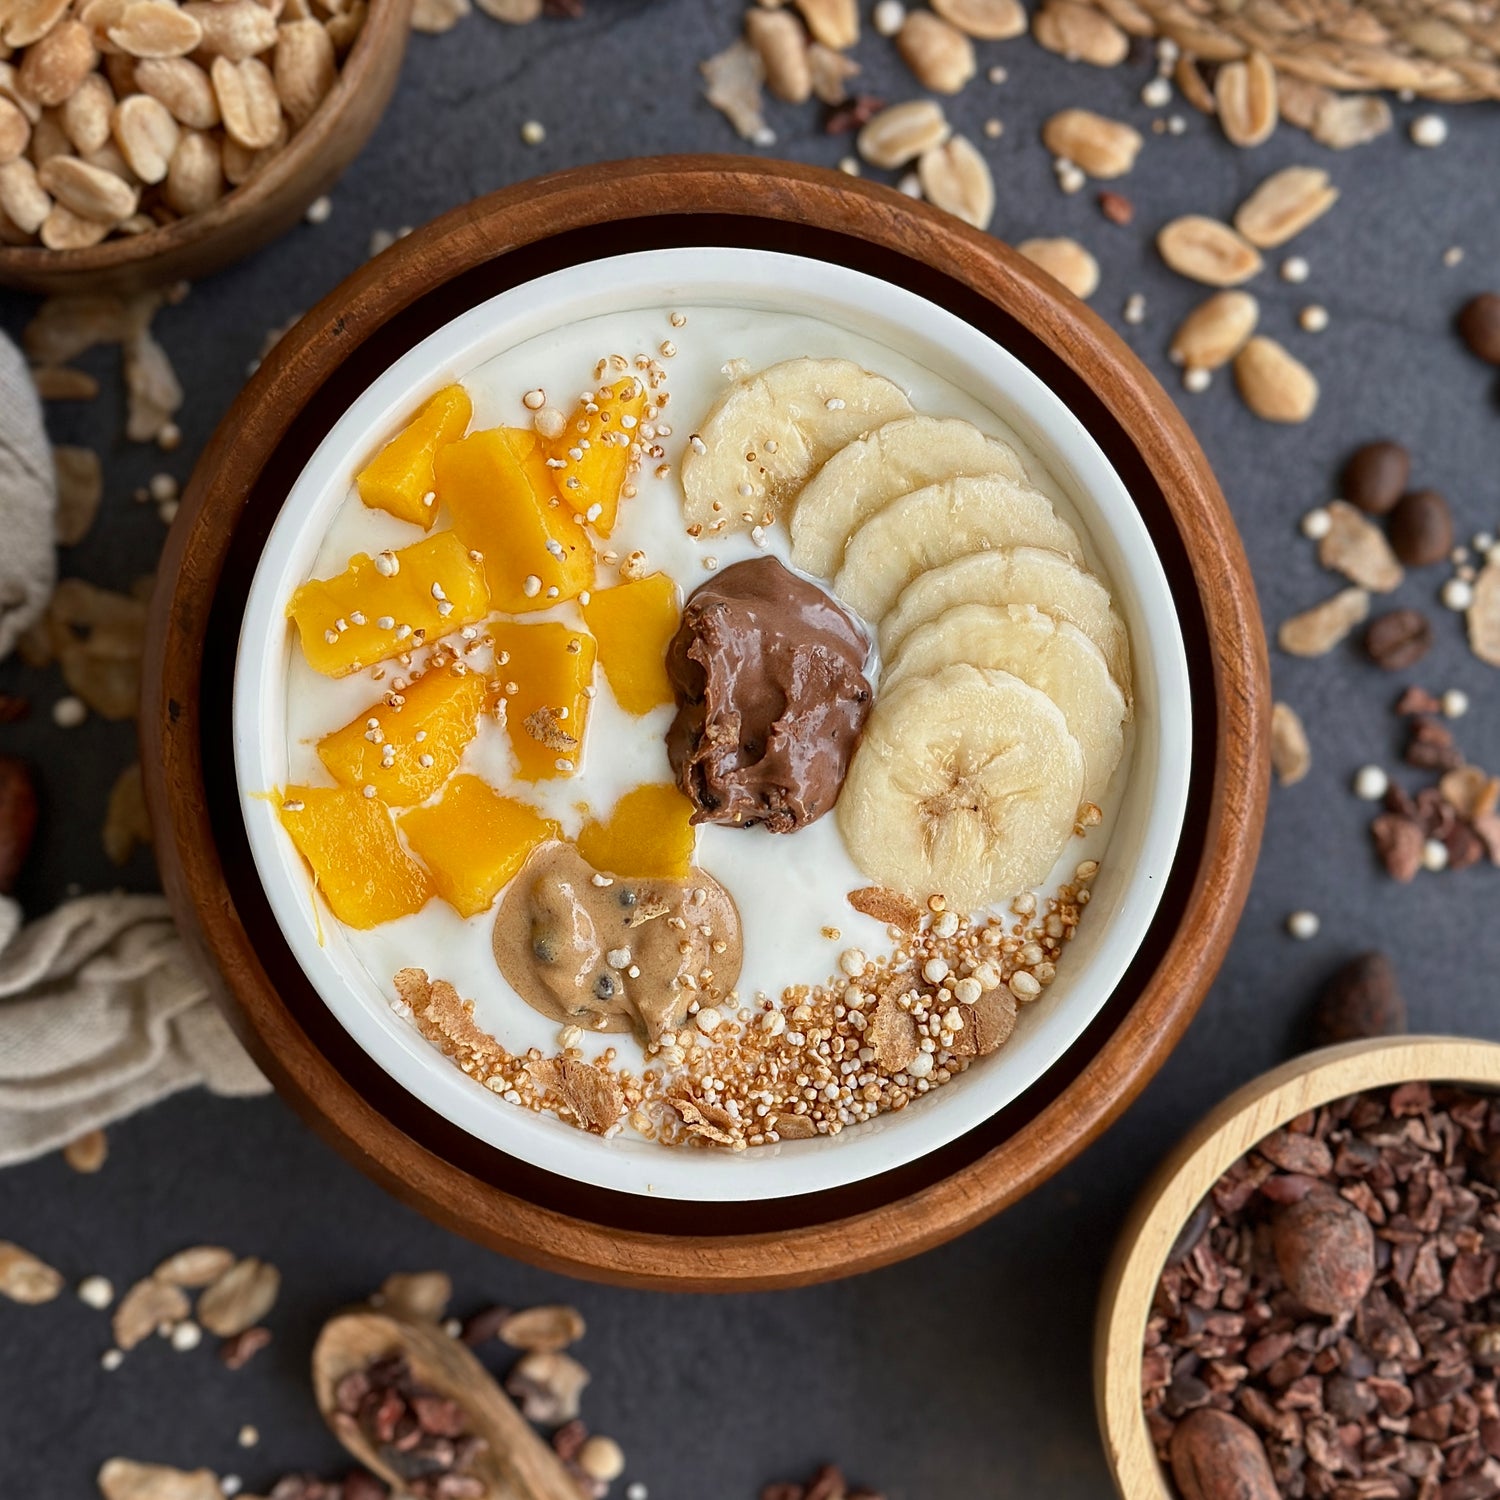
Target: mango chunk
[357, 861]
[594, 451]
[407, 750]
[504, 504]
[474, 841]
[543, 671]
[648, 836]
[634, 624]
[394, 602]
[399, 478]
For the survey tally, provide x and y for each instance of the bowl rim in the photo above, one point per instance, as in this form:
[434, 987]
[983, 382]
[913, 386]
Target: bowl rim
[1183, 1179]
[387, 23]
[914, 328]
[764, 201]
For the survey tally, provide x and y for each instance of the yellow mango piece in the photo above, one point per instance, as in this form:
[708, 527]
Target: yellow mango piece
[594, 450]
[408, 750]
[542, 671]
[357, 861]
[634, 624]
[382, 605]
[648, 836]
[399, 478]
[504, 504]
[474, 841]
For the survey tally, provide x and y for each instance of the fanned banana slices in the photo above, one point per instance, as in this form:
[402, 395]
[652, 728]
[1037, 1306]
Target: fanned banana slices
[1002, 707]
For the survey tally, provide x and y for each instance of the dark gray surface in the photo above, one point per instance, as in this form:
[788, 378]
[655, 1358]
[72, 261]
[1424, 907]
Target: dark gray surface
[966, 1372]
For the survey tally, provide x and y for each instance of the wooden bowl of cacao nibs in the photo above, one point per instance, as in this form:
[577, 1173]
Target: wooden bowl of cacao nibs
[1304, 1299]
[189, 138]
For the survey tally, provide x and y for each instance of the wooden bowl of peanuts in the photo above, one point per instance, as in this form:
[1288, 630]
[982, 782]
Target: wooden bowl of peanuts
[145, 141]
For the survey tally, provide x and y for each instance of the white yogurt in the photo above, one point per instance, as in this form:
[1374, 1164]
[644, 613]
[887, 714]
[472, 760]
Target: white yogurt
[788, 888]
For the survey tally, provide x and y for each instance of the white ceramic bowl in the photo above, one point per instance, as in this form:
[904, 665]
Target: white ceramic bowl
[1150, 804]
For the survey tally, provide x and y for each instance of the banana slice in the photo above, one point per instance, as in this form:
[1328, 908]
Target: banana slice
[770, 431]
[1050, 655]
[966, 784]
[902, 456]
[932, 526]
[1014, 575]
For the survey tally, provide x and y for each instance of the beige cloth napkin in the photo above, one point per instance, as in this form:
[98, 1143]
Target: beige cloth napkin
[28, 501]
[101, 1014]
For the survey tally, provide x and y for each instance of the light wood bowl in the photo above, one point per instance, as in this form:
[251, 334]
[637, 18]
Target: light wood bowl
[255, 213]
[1182, 1181]
[241, 482]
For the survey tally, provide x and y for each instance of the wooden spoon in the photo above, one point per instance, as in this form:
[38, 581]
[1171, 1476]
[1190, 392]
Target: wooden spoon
[516, 1465]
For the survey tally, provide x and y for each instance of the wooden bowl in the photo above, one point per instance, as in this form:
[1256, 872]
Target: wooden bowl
[1177, 1187]
[238, 488]
[252, 215]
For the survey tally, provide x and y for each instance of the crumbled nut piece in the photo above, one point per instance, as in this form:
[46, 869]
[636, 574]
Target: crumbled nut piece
[733, 80]
[543, 1329]
[1317, 631]
[887, 906]
[956, 178]
[124, 1479]
[547, 1386]
[243, 1295]
[80, 487]
[1246, 95]
[1276, 386]
[1215, 331]
[1291, 757]
[1284, 205]
[422, 1295]
[1080, 33]
[939, 54]
[197, 1266]
[25, 1278]
[1484, 614]
[1102, 147]
[1067, 261]
[147, 1306]
[1357, 548]
[1207, 251]
[87, 1152]
[127, 824]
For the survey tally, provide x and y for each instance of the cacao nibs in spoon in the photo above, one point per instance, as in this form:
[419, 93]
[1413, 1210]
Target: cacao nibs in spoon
[1421, 528]
[1376, 475]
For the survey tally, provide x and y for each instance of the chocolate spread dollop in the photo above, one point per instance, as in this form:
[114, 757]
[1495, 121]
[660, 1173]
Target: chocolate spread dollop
[771, 697]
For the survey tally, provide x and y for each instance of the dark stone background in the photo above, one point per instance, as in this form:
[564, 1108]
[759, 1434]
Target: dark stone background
[965, 1372]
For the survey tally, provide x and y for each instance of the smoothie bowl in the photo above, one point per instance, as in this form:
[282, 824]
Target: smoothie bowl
[712, 724]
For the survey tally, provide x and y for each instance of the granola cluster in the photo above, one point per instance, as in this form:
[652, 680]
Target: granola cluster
[810, 1062]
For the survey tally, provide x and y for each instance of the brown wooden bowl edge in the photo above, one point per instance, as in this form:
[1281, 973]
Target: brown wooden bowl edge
[594, 195]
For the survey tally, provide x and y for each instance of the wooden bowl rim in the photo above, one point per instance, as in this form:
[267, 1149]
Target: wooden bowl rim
[387, 22]
[586, 199]
[1184, 1178]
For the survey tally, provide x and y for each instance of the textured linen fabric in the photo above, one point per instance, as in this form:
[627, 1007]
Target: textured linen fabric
[101, 1014]
[28, 501]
